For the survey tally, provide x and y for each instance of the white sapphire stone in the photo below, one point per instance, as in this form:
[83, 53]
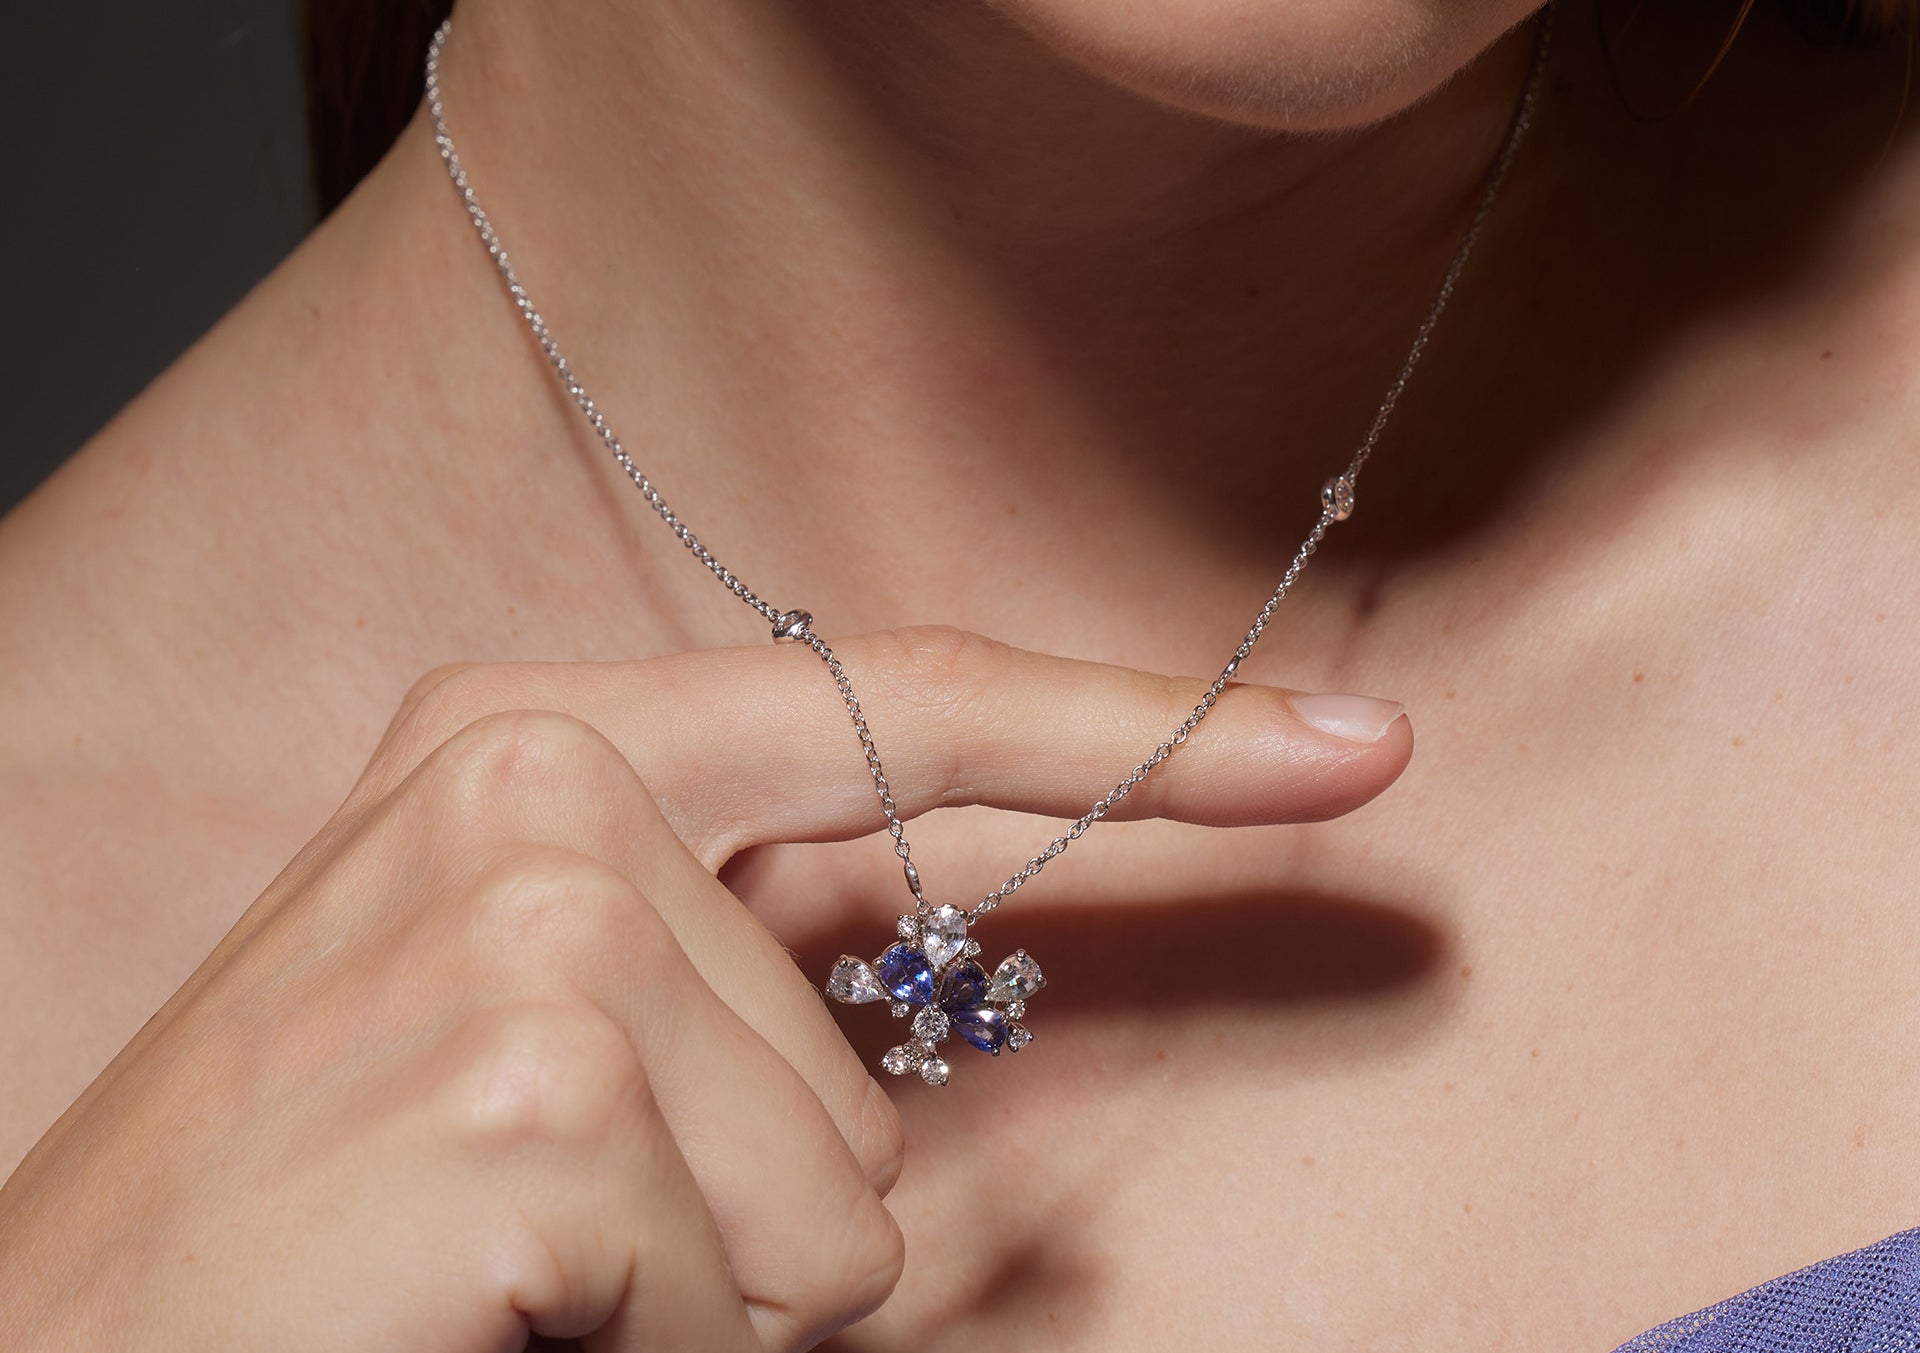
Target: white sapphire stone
[1017, 978]
[944, 935]
[931, 1025]
[1018, 1037]
[903, 1059]
[907, 927]
[933, 1071]
[900, 1009]
[854, 981]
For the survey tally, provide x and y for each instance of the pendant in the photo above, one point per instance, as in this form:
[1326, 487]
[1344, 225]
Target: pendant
[930, 976]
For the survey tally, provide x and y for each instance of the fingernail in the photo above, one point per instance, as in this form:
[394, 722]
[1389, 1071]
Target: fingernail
[1357, 718]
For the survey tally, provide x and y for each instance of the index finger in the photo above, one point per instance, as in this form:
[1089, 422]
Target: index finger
[750, 746]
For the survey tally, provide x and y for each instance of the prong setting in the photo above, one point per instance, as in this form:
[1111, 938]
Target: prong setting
[931, 975]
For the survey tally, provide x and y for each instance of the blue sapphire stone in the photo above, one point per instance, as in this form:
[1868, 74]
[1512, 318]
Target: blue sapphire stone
[982, 1026]
[963, 988]
[906, 973]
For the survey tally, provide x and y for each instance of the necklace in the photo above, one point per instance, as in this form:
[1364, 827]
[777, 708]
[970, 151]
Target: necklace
[930, 973]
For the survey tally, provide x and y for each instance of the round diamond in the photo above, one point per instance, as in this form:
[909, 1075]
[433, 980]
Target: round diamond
[931, 1025]
[933, 1071]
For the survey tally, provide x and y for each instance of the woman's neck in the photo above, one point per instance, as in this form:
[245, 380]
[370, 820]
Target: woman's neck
[912, 320]
[906, 279]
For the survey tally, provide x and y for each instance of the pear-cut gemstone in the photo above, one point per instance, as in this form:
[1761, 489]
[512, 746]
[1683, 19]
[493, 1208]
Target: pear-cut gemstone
[1017, 978]
[982, 1026]
[930, 1025]
[944, 935]
[1018, 1036]
[899, 1061]
[904, 971]
[934, 1071]
[854, 981]
[963, 988]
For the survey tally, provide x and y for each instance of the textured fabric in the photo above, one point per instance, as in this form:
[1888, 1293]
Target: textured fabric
[1864, 1302]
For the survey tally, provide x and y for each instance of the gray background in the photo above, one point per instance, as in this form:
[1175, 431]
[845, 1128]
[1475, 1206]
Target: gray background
[155, 167]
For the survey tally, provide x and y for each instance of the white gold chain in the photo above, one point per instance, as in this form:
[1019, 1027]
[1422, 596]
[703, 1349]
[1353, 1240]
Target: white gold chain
[1336, 495]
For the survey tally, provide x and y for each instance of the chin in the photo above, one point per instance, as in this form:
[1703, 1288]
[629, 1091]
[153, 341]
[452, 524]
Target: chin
[1284, 65]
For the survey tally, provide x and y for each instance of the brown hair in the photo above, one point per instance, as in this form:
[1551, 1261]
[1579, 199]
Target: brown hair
[363, 60]
[363, 70]
[1828, 21]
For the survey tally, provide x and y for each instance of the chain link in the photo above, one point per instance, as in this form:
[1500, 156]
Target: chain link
[436, 113]
[1336, 497]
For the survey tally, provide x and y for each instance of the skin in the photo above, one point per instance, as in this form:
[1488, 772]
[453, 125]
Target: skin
[1599, 1013]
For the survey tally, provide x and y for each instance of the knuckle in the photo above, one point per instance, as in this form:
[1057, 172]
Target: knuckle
[532, 901]
[430, 682]
[541, 1075]
[940, 668]
[522, 753]
[435, 707]
[1176, 697]
[1168, 703]
[449, 698]
[419, 726]
[845, 1262]
[851, 1263]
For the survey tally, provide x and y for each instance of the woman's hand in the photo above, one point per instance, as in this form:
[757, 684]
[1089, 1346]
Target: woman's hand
[497, 1053]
